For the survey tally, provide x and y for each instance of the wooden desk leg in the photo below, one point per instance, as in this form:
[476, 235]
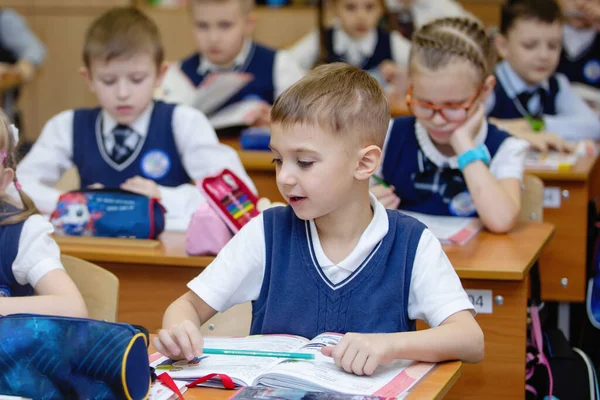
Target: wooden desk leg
[502, 372]
[145, 291]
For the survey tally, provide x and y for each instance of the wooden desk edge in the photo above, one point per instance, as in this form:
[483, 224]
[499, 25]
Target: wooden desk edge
[579, 173]
[430, 385]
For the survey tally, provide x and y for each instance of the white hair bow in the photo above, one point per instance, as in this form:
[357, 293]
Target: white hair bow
[15, 133]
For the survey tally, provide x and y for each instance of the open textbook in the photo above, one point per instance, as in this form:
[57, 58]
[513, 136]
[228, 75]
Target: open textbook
[211, 94]
[449, 229]
[320, 374]
[554, 160]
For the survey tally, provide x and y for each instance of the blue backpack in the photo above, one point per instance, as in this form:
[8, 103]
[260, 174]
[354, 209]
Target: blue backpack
[47, 357]
[108, 213]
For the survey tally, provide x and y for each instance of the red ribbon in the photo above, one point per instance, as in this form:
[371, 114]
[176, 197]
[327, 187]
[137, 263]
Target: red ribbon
[168, 382]
[225, 379]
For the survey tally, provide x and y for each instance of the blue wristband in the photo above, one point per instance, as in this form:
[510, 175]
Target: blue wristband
[478, 153]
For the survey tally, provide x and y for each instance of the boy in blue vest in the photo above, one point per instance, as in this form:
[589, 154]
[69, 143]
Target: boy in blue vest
[222, 32]
[580, 58]
[333, 260]
[129, 142]
[529, 94]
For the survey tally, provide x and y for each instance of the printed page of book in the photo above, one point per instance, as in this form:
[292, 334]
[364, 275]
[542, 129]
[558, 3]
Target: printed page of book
[158, 391]
[241, 369]
[448, 229]
[217, 88]
[322, 374]
[242, 113]
[266, 393]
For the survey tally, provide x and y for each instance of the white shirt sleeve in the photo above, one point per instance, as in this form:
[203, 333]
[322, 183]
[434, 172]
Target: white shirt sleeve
[509, 161]
[400, 48]
[236, 275]
[38, 253]
[202, 155]
[47, 161]
[286, 70]
[435, 290]
[306, 51]
[574, 120]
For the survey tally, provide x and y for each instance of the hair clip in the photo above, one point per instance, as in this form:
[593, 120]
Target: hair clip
[3, 156]
[15, 133]
[18, 185]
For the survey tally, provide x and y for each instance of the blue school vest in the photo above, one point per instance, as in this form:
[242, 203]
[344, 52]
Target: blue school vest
[585, 68]
[158, 158]
[260, 63]
[505, 107]
[382, 52]
[9, 247]
[297, 298]
[401, 166]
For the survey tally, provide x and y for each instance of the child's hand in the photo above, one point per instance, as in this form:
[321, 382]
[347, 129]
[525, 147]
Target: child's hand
[359, 353]
[543, 142]
[462, 138]
[391, 72]
[386, 196]
[263, 115]
[181, 341]
[142, 186]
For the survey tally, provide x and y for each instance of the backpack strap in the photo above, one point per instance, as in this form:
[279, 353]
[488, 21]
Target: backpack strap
[538, 342]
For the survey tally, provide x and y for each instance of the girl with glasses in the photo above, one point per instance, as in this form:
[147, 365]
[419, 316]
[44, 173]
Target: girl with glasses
[446, 159]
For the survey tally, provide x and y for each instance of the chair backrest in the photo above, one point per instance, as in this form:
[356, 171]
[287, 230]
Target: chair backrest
[99, 287]
[233, 322]
[532, 199]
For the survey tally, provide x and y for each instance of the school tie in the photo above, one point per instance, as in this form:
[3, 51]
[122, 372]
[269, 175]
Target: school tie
[431, 179]
[526, 96]
[405, 22]
[126, 141]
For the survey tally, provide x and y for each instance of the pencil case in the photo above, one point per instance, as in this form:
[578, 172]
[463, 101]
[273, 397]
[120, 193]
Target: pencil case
[108, 213]
[52, 357]
[255, 139]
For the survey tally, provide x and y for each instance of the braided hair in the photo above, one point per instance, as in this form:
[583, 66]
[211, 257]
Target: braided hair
[442, 40]
[8, 154]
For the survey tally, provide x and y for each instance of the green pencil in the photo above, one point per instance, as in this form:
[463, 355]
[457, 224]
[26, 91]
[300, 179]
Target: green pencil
[257, 353]
[380, 181]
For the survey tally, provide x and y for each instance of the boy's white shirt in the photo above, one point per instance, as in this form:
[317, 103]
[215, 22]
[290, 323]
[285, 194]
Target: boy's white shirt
[425, 11]
[197, 144]
[507, 163]
[574, 119]
[37, 254]
[306, 50]
[236, 275]
[577, 41]
[286, 71]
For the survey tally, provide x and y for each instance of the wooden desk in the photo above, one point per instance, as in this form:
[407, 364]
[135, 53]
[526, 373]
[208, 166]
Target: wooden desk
[563, 262]
[7, 81]
[151, 279]
[434, 386]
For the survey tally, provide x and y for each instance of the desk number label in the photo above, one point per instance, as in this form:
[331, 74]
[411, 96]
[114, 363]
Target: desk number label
[481, 300]
[552, 197]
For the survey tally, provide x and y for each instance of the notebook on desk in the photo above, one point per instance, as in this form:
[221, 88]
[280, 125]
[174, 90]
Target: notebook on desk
[320, 374]
[447, 229]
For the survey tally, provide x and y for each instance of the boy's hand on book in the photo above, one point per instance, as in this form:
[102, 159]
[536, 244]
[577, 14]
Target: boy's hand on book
[386, 196]
[359, 353]
[181, 341]
[263, 115]
[142, 186]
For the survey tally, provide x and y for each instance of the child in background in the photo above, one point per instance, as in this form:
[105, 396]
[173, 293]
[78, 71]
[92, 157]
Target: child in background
[32, 278]
[580, 58]
[222, 31]
[130, 142]
[413, 14]
[334, 259]
[529, 95]
[447, 160]
[21, 52]
[356, 39]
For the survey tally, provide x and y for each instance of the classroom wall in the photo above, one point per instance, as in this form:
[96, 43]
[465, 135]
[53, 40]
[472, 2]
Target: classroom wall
[61, 25]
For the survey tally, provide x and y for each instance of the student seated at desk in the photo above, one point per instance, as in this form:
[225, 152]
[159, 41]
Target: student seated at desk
[222, 31]
[130, 142]
[32, 278]
[334, 259]
[357, 39]
[529, 93]
[580, 57]
[447, 160]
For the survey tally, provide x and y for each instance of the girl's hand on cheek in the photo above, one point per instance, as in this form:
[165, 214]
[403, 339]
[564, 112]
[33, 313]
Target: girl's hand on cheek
[462, 138]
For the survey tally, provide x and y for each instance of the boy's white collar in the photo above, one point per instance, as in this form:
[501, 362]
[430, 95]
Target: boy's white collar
[140, 125]
[354, 50]
[512, 83]
[238, 62]
[433, 154]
